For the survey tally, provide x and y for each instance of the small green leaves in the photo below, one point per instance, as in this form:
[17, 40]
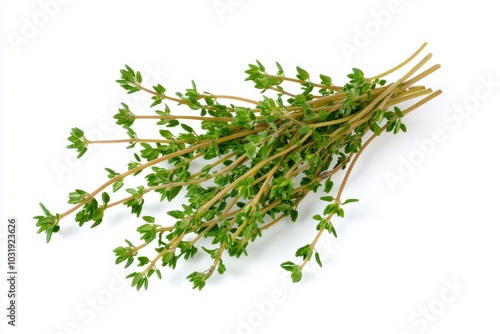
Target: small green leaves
[394, 120]
[325, 224]
[257, 73]
[143, 260]
[158, 97]
[325, 80]
[334, 209]
[136, 201]
[148, 231]
[244, 117]
[47, 223]
[130, 80]
[282, 188]
[305, 252]
[246, 187]
[295, 270]
[111, 175]
[77, 196]
[78, 141]
[90, 211]
[159, 89]
[125, 254]
[302, 74]
[198, 279]
[124, 117]
[304, 129]
[357, 76]
[139, 280]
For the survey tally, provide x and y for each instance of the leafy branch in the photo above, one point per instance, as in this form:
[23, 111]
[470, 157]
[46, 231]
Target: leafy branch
[248, 169]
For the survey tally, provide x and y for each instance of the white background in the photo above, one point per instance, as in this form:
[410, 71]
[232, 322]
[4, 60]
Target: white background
[399, 249]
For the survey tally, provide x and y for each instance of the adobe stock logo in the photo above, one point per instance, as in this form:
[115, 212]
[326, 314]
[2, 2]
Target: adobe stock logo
[264, 309]
[485, 89]
[94, 305]
[222, 7]
[420, 320]
[31, 26]
[363, 36]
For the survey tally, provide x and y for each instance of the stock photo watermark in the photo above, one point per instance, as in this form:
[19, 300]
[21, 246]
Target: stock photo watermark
[364, 34]
[266, 307]
[407, 165]
[427, 314]
[12, 273]
[33, 24]
[106, 126]
[224, 7]
[89, 309]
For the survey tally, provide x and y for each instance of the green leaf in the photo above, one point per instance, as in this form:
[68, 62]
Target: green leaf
[288, 265]
[375, 129]
[176, 214]
[261, 67]
[149, 219]
[44, 209]
[117, 185]
[305, 252]
[221, 268]
[156, 100]
[302, 74]
[358, 72]
[78, 142]
[253, 138]
[159, 89]
[325, 79]
[398, 112]
[105, 197]
[323, 115]
[143, 260]
[166, 134]
[318, 260]
[173, 192]
[187, 128]
[304, 129]
[280, 69]
[77, 196]
[350, 200]
[296, 274]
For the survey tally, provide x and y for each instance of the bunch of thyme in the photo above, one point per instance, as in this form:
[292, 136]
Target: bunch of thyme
[259, 160]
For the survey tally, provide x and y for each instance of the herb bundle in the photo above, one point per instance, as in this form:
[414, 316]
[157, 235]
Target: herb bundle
[248, 168]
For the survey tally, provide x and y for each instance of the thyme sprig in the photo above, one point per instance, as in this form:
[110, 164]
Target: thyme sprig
[259, 161]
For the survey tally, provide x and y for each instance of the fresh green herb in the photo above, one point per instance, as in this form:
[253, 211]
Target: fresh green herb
[249, 168]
